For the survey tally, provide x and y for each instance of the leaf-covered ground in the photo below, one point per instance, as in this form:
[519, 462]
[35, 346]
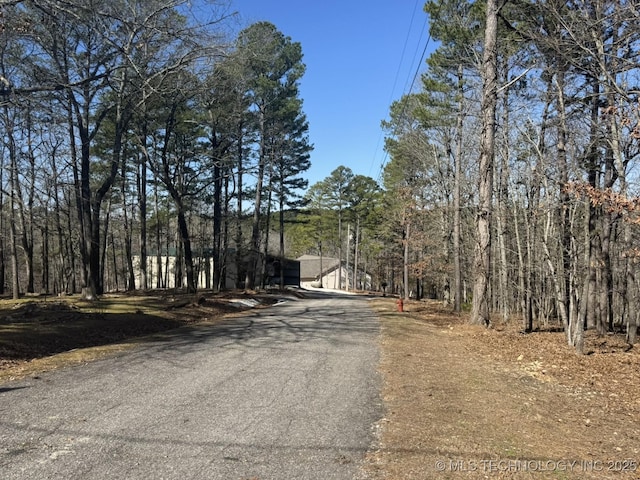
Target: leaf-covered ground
[44, 333]
[470, 402]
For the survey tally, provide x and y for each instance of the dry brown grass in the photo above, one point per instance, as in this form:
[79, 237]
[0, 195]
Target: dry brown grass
[41, 334]
[467, 402]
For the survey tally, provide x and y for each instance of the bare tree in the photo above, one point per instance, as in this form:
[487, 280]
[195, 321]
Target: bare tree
[481, 304]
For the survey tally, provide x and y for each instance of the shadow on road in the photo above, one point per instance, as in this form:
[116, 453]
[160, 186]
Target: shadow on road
[325, 316]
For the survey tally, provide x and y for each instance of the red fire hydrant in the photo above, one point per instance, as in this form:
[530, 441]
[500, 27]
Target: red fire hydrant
[400, 304]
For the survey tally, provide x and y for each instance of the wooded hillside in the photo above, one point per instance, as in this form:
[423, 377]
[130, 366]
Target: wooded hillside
[545, 212]
[131, 130]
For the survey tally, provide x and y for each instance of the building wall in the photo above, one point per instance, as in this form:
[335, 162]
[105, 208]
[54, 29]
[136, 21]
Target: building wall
[330, 280]
[204, 267]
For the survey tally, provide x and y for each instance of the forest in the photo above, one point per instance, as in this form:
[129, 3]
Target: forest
[516, 163]
[134, 132]
[141, 143]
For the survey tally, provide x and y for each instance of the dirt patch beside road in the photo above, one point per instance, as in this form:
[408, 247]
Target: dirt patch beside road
[41, 333]
[467, 402]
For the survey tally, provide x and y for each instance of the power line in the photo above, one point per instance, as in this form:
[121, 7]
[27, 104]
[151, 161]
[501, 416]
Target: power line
[395, 80]
[404, 48]
[413, 80]
[424, 52]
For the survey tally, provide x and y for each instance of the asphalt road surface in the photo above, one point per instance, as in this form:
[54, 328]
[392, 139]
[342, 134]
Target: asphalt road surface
[289, 392]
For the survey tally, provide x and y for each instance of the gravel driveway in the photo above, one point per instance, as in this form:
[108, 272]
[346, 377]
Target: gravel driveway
[288, 392]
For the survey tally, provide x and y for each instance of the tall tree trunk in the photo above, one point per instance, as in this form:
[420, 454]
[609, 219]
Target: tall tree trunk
[254, 254]
[238, 237]
[25, 211]
[158, 232]
[185, 240]
[457, 228]
[114, 261]
[482, 261]
[604, 321]
[522, 287]
[104, 245]
[15, 278]
[142, 209]
[564, 208]
[13, 180]
[262, 270]
[632, 316]
[281, 229]
[602, 245]
[586, 296]
[224, 259]
[89, 239]
[592, 166]
[2, 229]
[178, 274]
[530, 227]
[71, 247]
[44, 283]
[502, 214]
[128, 240]
[217, 224]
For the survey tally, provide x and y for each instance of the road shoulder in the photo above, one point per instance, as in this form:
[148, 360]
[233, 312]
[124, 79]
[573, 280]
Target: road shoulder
[454, 407]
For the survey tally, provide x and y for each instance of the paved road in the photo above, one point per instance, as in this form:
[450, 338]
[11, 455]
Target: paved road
[287, 393]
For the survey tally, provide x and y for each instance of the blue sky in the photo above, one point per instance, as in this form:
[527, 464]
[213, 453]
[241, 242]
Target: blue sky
[360, 56]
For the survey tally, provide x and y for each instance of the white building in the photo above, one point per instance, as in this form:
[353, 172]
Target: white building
[335, 274]
[203, 268]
